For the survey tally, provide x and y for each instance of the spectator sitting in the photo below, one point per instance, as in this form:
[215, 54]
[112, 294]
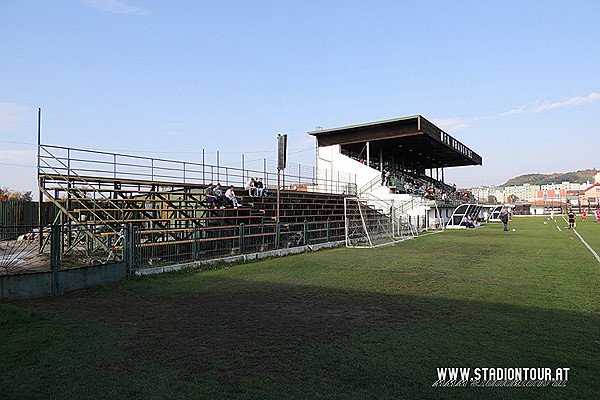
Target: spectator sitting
[259, 187]
[211, 198]
[231, 197]
[219, 195]
[250, 187]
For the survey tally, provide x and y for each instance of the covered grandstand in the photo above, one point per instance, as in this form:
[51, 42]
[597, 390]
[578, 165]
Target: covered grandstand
[401, 161]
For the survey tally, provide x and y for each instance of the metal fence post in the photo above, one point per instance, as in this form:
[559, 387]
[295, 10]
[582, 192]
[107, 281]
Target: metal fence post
[129, 248]
[243, 171]
[242, 238]
[55, 256]
[305, 233]
[195, 244]
[328, 229]
[277, 234]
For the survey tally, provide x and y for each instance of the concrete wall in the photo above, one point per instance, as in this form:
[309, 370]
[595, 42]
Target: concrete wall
[332, 160]
[38, 284]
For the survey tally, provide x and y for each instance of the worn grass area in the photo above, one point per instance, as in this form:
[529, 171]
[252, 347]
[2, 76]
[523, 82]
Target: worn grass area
[339, 324]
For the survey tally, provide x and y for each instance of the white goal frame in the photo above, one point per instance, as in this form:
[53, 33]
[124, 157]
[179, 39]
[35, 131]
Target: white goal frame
[371, 222]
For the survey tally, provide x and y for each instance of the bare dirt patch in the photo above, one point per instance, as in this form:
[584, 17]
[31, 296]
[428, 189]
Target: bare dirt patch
[239, 333]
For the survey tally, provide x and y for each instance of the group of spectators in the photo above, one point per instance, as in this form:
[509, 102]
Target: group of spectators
[255, 187]
[216, 198]
[420, 186]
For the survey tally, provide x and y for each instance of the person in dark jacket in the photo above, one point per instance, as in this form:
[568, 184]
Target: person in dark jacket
[571, 216]
[504, 219]
[211, 197]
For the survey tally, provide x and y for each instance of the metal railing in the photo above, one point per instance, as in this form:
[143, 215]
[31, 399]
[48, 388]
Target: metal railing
[70, 162]
[366, 188]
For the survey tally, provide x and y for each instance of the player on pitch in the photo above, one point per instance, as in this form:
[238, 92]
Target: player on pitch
[571, 216]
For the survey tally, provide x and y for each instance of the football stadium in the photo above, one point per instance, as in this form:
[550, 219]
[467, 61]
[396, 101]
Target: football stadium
[364, 276]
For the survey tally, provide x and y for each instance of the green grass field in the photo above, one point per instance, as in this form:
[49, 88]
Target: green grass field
[333, 324]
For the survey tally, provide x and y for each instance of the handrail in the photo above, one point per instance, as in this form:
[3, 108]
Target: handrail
[369, 185]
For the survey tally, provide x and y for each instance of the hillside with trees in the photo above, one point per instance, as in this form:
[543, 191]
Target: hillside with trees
[581, 176]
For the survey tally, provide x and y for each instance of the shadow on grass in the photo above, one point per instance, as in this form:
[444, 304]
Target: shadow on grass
[266, 340]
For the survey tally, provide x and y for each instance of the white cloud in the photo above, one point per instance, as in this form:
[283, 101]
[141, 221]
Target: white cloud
[573, 101]
[116, 7]
[173, 128]
[14, 115]
[451, 124]
[513, 112]
[456, 124]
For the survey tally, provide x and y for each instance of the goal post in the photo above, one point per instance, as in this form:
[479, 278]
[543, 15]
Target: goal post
[370, 223]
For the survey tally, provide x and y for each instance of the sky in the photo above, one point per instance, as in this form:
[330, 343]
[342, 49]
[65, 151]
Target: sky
[517, 82]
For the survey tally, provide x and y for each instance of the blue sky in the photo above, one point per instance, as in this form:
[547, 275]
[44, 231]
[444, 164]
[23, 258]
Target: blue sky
[517, 82]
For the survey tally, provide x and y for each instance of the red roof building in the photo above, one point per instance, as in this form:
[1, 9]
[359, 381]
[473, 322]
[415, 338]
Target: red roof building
[590, 196]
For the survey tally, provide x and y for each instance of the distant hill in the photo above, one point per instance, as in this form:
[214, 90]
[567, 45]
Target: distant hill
[557, 177]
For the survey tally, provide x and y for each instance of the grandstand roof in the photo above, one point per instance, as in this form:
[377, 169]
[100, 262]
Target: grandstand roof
[415, 134]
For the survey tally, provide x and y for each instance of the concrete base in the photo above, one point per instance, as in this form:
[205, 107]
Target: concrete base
[242, 257]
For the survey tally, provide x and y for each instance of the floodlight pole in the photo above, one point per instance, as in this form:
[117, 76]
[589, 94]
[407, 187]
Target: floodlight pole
[278, 185]
[281, 162]
[39, 179]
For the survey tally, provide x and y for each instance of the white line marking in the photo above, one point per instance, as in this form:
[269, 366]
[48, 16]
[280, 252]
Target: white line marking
[557, 227]
[585, 243]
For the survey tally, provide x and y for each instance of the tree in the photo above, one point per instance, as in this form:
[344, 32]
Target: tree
[7, 195]
[492, 199]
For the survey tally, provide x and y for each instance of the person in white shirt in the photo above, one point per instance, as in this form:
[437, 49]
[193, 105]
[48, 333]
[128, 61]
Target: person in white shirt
[250, 187]
[231, 197]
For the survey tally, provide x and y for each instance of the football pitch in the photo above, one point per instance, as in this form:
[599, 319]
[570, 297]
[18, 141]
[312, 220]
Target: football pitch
[332, 324]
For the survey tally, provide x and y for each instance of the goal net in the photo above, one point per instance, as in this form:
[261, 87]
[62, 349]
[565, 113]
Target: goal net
[374, 223]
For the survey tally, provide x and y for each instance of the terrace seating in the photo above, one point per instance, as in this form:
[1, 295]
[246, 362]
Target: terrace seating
[180, 207]
[107, 201]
